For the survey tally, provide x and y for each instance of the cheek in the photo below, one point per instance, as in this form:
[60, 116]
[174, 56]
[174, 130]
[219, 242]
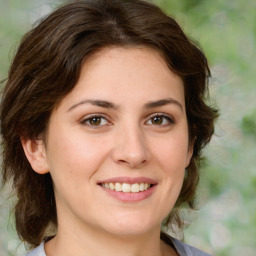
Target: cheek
[171, 160]
[73, 159]
[172, 155]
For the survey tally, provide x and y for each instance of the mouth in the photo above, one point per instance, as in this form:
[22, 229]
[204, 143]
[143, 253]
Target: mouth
[127, 187]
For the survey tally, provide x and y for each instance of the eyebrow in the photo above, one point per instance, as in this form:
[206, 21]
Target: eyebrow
[99, 103]
[110, 105]
[163, 102]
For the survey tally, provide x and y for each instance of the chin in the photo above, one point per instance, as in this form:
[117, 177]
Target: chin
[133, 225]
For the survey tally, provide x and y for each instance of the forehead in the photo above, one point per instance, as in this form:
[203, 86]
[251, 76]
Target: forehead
[135, 73]
[134, 62]
[126, 55]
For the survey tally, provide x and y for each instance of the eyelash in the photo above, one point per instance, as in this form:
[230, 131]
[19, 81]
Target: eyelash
[86, 121]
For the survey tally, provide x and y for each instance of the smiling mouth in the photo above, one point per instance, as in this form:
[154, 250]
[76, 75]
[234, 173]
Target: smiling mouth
[126, 187]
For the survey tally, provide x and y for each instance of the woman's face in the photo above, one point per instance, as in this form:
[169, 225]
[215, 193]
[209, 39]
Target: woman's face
[122, 128]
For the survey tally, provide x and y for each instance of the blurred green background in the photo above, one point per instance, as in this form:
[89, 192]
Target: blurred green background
[226, 30]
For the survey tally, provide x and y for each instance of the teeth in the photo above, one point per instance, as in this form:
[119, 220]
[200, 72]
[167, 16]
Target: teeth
[111, 186]
[126, 188]
[118, 187]
[135, 188]
[142, 187]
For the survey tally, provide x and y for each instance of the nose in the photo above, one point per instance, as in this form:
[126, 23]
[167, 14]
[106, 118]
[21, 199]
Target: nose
[131, 148]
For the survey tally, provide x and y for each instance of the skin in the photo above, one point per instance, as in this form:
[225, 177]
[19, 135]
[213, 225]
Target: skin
[124, 141]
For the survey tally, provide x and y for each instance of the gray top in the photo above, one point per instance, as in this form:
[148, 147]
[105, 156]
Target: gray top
[181, 248]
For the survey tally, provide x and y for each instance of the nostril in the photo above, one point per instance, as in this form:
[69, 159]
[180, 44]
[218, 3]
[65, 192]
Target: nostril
[122, 161]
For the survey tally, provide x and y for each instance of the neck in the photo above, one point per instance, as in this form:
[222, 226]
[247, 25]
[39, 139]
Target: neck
[74, 242]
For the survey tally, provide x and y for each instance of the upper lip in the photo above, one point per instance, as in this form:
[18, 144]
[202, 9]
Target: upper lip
[129, 180]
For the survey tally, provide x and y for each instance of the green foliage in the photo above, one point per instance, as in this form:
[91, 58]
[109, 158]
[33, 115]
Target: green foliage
[249, 124]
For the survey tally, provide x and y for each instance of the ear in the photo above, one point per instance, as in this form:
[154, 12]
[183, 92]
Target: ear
[190, 152]
[36, 154]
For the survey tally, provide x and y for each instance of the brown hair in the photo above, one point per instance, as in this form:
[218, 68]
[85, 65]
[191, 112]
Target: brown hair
[46, 68]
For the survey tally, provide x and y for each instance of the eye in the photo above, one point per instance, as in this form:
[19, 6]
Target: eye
[95, 121]
[160, 120]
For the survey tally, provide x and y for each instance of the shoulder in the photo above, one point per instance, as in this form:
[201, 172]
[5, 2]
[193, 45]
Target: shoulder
[38, 251]
[182, 248]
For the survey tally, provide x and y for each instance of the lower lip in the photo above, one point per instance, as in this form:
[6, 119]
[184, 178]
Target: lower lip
[130, 197]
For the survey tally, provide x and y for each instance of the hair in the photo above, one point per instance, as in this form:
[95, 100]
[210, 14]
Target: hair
[46, 68]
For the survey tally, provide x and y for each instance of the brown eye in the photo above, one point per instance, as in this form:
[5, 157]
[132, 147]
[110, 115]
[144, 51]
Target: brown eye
[95, 121]
[160, 120]
[157, 120]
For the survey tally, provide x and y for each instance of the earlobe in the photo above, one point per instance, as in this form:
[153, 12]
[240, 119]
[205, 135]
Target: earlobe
[36, 155]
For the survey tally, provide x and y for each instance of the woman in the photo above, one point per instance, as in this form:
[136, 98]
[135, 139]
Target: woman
[103, 124]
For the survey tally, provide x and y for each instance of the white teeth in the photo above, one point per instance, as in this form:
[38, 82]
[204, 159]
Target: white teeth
[142, 187]
[135, 188]
[126, 187]
[111, 186]
[118, 187]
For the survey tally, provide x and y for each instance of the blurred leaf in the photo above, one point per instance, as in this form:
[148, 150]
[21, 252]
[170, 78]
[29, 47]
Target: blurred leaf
[249, 124]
